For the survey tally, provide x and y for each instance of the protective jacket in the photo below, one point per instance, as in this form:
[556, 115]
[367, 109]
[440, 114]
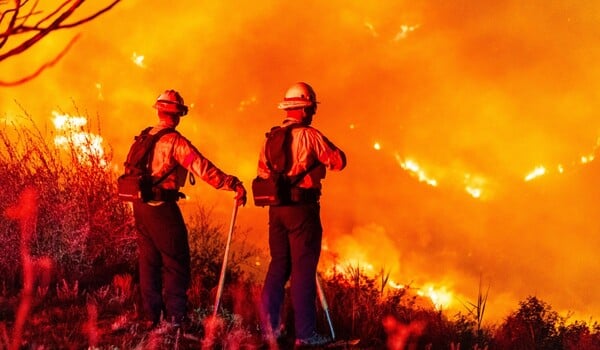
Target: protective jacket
[308, 147]
[173, 150]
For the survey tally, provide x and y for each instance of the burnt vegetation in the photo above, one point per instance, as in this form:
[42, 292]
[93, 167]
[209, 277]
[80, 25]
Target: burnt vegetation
[69, 275]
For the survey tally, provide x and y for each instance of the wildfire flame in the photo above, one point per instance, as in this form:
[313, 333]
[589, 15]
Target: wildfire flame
[87, 146]
[587, 159]
[474, 185]
[404, 30]
[414, 168]
[348, 262]
[537, 172]
[440, 297]
[138, 60]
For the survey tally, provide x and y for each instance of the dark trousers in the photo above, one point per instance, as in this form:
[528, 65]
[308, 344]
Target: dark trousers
[295, 234]
[164, 259]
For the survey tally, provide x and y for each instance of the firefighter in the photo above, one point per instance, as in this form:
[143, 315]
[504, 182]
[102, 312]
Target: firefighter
[164, 254]
[295, 230]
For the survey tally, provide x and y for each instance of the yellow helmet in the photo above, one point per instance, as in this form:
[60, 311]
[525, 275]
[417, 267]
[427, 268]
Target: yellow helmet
[171, 102]
[299, 95]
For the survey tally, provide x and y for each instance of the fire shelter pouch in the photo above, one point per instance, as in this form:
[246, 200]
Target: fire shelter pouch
[133, 187]
[274, 190]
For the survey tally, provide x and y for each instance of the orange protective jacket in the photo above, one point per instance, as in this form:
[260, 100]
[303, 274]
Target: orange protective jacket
[174, 150]
[308, 146]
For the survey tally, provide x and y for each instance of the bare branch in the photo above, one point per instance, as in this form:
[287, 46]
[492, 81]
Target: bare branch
[87, 19]
[19, 25]
[51, 14]
[11, 25]
[43, 67]
[42, 33]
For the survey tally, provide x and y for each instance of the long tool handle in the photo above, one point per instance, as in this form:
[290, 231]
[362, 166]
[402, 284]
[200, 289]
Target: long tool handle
[225, 256]
[325, 306]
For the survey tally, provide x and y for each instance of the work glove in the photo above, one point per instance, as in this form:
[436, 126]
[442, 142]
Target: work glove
[240, 194]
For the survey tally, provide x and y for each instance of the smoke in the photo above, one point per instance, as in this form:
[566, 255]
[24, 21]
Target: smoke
[485, 91]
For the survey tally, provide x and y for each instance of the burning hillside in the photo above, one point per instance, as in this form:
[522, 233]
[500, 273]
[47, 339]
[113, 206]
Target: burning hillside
[470, 128]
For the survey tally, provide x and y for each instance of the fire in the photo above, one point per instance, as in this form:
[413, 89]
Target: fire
[474, 185]
[440, 297]
[587, 159]
[404, 30]
[377, 146]
[474, 192]
[541, 170]
[414, 168]
[537, 172]
[138, 60]
[349, 260]
[395, 285]
[88, 146]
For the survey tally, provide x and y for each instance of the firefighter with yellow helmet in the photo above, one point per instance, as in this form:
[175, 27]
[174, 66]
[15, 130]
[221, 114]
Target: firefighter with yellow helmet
[164, 255]
[295, 230]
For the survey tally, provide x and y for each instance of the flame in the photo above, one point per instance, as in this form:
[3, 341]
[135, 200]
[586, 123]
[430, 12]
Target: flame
[138, 60]
[541, 170]
[440, 297]
[377, 146]
[474, 192]
[473, 185]
[404, 30]
[537, 172]
[395, 285]
[409, 53]
[88, 146]
[587, 159]
[414, 168]
[348, 260]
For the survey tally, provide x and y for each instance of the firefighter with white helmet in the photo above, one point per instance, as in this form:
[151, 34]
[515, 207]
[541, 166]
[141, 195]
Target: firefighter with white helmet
[299, 95]
[295, 230]
[164, 255]
[171, 102]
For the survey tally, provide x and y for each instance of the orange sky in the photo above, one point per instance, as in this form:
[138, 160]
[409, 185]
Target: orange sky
[492, 90]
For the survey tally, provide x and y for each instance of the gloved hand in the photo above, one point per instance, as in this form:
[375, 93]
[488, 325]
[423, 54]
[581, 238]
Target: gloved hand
[240, 194]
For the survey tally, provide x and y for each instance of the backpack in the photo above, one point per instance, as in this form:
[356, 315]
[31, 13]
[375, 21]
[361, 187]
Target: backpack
[136, 183]
[277, 188]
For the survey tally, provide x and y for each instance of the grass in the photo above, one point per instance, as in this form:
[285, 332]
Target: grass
[69, 278]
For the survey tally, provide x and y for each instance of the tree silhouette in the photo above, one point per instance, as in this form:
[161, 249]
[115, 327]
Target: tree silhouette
[23, 24]
[534, 326]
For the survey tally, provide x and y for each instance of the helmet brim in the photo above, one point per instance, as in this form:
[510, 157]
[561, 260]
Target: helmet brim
[171, 108]
[295, 104]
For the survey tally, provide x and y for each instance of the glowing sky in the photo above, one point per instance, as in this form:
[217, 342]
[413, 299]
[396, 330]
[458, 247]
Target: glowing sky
[476, 93]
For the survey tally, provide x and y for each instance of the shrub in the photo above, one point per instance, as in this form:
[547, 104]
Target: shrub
[532, 326]
[207, 239]
[84, 230]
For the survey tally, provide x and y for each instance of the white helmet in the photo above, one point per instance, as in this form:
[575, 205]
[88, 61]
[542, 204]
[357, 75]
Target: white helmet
[299, 95]
[171, 102]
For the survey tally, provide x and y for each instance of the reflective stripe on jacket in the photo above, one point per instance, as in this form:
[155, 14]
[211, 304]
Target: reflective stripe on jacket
[308, 145]
[174, 150]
